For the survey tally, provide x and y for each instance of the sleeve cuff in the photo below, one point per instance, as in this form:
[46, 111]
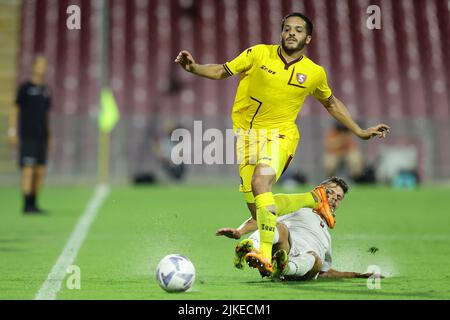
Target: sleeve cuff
[227, 69]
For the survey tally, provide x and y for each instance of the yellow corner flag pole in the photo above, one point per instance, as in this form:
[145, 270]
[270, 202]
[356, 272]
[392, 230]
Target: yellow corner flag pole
[108, 113]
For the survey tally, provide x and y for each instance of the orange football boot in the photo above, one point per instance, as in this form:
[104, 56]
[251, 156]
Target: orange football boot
[257, 260]
[323, 208]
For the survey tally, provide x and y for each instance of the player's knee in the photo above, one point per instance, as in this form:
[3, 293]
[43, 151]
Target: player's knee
[263, 178]
[257, 181]
[40, 170]
[28, 170]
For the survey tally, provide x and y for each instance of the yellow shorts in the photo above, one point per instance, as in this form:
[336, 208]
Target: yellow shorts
[276, 152]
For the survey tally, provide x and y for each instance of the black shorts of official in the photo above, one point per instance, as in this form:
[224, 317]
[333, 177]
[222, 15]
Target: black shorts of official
[32, 152]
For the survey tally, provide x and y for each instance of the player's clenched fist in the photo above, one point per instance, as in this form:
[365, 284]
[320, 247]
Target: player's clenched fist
[380, 131]
[185, 60]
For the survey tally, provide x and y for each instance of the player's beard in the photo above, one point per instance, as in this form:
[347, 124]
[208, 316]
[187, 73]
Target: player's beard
[300, 45]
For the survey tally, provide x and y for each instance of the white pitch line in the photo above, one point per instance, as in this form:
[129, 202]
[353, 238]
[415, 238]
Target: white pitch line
[52, 284]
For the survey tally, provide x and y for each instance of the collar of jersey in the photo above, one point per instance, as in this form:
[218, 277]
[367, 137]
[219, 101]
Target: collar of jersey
[286, 64]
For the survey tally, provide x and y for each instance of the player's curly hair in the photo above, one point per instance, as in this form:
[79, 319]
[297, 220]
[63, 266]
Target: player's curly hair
[309, 24]
[339, 181]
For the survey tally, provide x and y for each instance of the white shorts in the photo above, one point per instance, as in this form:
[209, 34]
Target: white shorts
[298, 246]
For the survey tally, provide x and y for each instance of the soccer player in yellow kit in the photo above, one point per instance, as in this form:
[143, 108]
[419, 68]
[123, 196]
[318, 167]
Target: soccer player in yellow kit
[274, 82]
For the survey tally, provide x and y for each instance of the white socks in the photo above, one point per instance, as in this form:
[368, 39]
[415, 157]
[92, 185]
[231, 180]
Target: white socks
[256, 239]
[299, 265]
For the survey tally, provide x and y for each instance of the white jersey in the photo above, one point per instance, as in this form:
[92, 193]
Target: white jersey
[308, 232]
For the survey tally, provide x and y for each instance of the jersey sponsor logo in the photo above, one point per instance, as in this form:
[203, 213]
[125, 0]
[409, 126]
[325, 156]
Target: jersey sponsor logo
[263, 67]
[301, 78]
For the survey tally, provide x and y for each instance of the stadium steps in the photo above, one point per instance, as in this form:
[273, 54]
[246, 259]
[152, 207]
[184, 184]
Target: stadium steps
[9, 31]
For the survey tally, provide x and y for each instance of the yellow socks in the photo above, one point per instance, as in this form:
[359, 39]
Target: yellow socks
[267, 222]
[288, 203]
[284, 204]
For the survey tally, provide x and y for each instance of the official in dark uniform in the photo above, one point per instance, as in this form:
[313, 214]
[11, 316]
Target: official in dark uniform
[30, 132]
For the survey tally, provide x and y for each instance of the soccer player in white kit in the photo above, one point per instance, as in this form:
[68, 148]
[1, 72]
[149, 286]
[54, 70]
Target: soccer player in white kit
[302, 244]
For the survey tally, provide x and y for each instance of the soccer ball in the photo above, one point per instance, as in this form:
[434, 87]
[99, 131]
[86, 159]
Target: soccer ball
[175, 273]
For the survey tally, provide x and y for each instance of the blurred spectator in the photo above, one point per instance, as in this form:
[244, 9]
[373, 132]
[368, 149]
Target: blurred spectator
[164, 145]
[29, 132]
[341, 150]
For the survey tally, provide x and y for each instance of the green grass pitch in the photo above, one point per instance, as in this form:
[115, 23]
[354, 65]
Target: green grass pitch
[136, 227]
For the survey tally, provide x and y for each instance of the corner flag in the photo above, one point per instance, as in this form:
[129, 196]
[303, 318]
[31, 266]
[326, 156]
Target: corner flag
[109, 113]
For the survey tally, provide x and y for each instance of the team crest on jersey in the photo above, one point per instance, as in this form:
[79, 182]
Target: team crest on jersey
[301, 78]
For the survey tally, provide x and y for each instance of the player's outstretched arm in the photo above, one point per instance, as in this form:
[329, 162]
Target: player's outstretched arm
[210, 71]
[248, 226]
[339, 111]
[334, 274]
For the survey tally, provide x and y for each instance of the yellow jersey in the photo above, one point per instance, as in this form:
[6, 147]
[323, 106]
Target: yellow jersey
[271, 91]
